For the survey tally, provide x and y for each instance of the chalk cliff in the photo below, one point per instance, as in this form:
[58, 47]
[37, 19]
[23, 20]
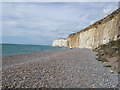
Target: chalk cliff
[101, 32]
[60, 42]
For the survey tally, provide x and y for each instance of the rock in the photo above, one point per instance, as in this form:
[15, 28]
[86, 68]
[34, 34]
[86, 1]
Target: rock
[101, 32]
[110, 71]
[60, 42]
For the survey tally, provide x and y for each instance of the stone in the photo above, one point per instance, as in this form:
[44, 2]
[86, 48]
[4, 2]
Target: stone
[110, 71]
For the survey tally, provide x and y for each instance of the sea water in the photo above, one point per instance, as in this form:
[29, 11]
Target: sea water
[12, 49]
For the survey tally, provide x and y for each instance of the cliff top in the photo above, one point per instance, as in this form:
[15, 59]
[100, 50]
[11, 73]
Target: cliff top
[102, 21]
[61, 38]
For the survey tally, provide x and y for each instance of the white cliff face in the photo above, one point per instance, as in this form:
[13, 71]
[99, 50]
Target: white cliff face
[60, 43]
[101, 32]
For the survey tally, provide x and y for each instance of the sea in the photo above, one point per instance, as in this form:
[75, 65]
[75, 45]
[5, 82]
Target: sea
[13, 49]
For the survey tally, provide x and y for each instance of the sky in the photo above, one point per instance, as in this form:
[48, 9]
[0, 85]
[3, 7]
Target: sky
[39, 23]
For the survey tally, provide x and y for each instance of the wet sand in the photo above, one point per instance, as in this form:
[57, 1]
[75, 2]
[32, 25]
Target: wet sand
[72, 68]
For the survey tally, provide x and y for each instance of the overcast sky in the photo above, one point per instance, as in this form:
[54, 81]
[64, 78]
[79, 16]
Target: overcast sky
[41, 23]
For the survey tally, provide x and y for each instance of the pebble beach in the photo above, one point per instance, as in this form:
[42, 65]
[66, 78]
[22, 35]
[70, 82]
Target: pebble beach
[70, 68]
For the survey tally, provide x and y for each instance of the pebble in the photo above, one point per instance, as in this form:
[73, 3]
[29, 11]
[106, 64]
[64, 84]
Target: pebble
[74, 68]
[110, 71]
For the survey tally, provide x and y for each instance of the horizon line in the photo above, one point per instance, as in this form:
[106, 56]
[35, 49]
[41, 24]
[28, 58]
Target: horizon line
[60, 1]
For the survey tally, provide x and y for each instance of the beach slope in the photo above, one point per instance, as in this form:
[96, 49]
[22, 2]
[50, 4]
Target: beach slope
[71, 68]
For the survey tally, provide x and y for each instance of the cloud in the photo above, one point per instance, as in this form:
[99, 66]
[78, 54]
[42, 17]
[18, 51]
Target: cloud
[40, 23]
[10, 22]
[110, 8]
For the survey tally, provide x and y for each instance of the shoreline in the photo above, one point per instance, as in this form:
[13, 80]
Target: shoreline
[31, 52]
[15, 49]
[11, 59]
[72, 68]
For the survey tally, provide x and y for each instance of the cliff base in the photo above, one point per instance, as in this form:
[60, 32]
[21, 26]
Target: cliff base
[109, 54]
